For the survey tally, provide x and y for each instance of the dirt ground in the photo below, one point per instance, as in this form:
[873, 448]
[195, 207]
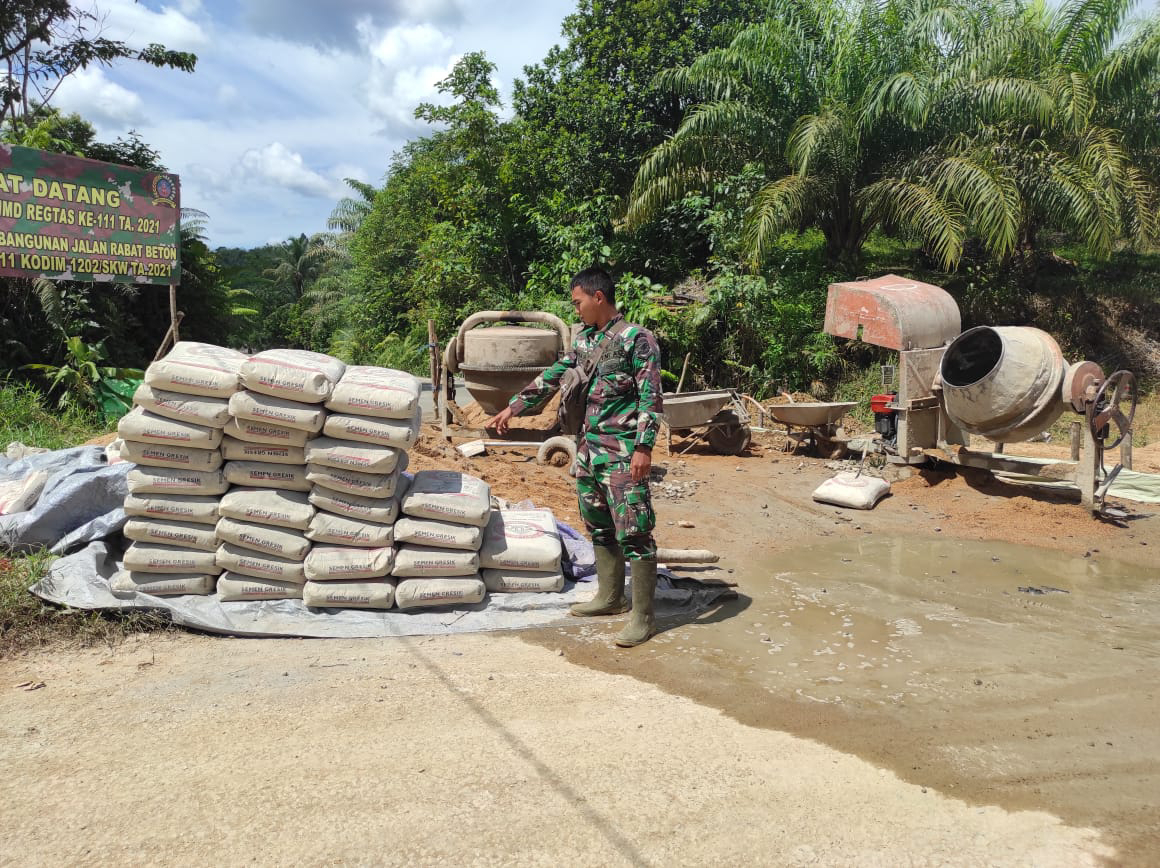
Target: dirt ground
[966, 674]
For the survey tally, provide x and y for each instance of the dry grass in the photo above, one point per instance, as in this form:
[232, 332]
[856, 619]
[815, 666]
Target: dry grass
[27, 622]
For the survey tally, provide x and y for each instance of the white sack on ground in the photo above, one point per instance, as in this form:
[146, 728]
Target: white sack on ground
[197, 369]
[401, 433]
[372, 485]
[347, 455]
[522, 581]
[211, 412]
[521, 539]
[251, 563]
[20, 495]
[145, 427]
[441, 534]
[187, 534]
[385, 393]
[373, 594]
[343, 530]
[282, 542]
[327, 562]
[158, 455]
[417, 593]
[297, 375]
[271, 453]
[268, 506]
[414, 561]
[172, 480]
[259, 474]
[235, 588]
[253, 431]
[376, 509]
[174, 507]
[277, 411]
[162, 584]
[156, 558]
[852, 490]
[448, 495]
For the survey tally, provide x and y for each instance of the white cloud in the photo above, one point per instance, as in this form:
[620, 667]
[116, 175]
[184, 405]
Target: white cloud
[278, 164]
[138, 25]
[101, 101]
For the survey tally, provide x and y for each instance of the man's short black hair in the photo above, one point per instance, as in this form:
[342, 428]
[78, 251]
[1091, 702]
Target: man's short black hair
[593, 280]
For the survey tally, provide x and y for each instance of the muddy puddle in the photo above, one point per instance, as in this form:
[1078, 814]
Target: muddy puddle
[891, 622]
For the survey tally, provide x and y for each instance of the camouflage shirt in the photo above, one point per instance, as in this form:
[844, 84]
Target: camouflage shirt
[624, 401]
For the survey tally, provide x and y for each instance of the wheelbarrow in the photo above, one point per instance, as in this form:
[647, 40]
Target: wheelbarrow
[815, 423]
[716, 415]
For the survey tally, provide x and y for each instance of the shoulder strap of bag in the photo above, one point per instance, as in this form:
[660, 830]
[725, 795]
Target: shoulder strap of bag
[595, 359]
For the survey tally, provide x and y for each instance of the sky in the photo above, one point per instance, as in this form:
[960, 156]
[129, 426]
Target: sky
[290, 97]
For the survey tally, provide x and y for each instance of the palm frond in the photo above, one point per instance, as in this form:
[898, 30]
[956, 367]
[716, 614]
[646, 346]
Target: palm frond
[918, 208]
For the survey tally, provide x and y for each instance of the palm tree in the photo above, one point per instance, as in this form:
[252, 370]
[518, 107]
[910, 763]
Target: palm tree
[1029, 98]
[301, 260]
[350, 212]
[792, 95]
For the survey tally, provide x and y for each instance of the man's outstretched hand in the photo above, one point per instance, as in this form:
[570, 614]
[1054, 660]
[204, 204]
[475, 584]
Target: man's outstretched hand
[501, 420]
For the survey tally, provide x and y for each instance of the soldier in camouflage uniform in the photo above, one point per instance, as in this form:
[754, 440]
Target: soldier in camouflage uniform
[615, 450]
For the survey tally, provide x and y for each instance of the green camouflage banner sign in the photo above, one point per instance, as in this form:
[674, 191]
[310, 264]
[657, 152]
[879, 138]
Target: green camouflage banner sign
[69, 218]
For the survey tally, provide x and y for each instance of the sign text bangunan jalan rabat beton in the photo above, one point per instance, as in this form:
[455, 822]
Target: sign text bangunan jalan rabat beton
[70, 218]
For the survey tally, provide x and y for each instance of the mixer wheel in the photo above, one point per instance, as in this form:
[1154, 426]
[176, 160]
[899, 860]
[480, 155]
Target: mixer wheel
[1106, 408]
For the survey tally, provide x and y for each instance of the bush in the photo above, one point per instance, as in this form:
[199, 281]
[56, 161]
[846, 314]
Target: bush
[25, 417]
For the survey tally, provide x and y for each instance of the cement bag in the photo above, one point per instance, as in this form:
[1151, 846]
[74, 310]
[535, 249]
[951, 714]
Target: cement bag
[342, 530]
[411, 560]
[282, 542]
[290, 477]
[523, 581]
[270, 453]
[113, 451]
[197, 369]
[172, 480]
[157, 455]
[277, 411]
[417, 593]
[297, 375]
[156, 558]
[449, 496]
[145, 427]
[248, 562]
[401, 433]
[253, 431]
[162, 584]
[20, 495]
[326, 563]
[187, 534]
[441, 534]
[380, 392]
[363, 457]
[211, 412]
[521, 539]
[376, 509]
[850, 489]
[374, 594]
[372, 485]
[268, 506]
[175, 507]
[234, 588]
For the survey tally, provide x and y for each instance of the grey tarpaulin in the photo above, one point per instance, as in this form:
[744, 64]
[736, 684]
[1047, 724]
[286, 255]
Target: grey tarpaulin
[81, 500]
[81, 580]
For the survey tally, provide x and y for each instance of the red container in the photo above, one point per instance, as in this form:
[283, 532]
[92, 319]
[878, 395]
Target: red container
[880, 404]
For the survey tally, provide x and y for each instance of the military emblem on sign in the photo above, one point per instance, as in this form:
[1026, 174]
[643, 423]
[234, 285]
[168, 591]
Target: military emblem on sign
[164, 191]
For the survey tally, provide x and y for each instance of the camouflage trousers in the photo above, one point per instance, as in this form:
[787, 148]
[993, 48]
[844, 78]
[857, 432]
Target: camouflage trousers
[617, 510]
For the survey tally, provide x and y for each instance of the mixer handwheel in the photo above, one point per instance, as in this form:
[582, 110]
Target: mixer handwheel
[1106, 408]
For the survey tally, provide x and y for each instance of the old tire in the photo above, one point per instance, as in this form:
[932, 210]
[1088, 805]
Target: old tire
[728, 436]
[557, 451]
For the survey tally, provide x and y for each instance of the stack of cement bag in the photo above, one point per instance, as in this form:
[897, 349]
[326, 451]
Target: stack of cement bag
[438, 540]
[267, 513]
[355, 471]
[174, 435]
[521, 552]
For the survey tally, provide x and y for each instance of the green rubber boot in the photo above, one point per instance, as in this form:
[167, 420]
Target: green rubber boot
[641, 624]
[609, 599]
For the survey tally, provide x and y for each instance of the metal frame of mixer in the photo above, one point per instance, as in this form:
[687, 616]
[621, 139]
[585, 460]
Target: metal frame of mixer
[919, 321]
